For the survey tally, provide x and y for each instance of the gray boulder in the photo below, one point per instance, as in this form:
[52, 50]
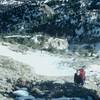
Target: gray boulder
[25, 98]
[21, 93]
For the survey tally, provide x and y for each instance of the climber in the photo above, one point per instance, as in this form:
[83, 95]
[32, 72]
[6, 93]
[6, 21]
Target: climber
[82, 76]
[79, 77]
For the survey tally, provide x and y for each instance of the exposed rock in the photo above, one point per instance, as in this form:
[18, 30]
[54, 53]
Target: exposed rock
[20, 93]
[77, 19]
[48, 10]
[49, 90]
[56, 43]
[25, 98]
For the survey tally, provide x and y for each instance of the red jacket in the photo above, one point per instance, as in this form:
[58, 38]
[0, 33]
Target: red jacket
[82, 73]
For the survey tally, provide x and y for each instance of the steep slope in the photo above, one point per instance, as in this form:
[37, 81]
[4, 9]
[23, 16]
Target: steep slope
[41, 62]
[50, 70]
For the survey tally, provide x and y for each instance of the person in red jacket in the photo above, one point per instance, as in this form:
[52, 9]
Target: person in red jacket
[82, 75]
[79, 77]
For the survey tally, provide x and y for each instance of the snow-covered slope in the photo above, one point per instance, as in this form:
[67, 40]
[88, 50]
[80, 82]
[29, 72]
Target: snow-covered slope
[48, 64]
[41, 62]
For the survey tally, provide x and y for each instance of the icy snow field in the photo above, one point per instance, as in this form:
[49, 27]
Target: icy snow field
[46, 64]
[42, 63]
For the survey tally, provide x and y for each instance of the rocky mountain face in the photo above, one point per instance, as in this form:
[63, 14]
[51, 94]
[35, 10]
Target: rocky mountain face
[77, 19]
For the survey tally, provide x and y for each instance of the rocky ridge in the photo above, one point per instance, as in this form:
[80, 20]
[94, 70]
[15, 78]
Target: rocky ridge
[78, 19]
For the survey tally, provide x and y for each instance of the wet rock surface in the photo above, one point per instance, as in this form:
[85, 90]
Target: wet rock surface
[49, 90]
[46, 90]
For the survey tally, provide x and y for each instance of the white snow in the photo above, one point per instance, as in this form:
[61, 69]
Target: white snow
[18, 36]
[82, 3]
[21, 93]
[10, 2]
[42, 63]
[93, 16]
[35, 38]
[46, 1]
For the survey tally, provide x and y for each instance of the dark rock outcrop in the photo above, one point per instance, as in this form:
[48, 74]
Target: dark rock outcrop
[49, 89]
[79, 19]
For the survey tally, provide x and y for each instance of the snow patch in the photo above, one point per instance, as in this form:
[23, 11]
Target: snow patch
[82, 3]
[18, 36]
[10, 2]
